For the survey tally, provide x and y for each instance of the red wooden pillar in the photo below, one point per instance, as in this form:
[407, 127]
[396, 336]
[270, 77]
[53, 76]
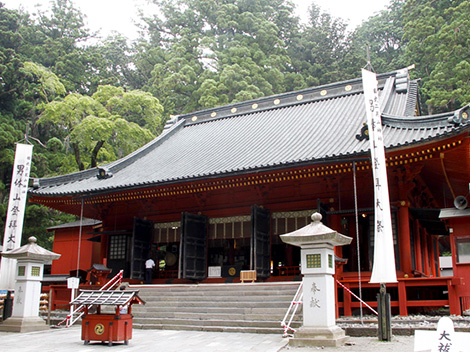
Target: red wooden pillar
[426, 252]
[104, 249]
[335, 220]
[433, 257]
[402, 299]
[404, 239]
[418, 251]
[289, 255]
[454, 299]
[336, 299]
[347, 301]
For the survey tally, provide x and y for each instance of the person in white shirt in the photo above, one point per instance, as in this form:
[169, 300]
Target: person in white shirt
[149, 265]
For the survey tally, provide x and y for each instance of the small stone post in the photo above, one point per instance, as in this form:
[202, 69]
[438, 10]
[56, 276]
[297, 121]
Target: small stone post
[29, 274]
[318, 268]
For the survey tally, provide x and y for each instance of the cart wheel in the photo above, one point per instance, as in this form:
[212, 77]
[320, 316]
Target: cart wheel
[126, 342]
[110, 343]
[86, 342]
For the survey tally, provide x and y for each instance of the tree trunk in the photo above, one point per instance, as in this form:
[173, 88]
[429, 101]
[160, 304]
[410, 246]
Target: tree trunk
[94, 154]
[78, 159]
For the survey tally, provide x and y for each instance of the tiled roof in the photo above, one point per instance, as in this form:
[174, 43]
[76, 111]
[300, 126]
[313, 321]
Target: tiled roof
[292, 129]
[84, 222]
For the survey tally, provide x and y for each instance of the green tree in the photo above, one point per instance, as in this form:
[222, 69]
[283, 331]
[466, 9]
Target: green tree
[113, 59]
[382, 36]
[438, 41]
[105, 126]
[58, 39]
[319, 48]
[217, 52]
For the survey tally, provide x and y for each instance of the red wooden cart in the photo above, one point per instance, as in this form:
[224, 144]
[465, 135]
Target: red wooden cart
[107, 327]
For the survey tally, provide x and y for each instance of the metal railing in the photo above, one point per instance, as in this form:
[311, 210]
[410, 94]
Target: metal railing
[294, 305]
[78, 312]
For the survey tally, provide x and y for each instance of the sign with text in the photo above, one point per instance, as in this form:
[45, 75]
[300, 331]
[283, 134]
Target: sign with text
[444, 339]
[15, 213]
[383, 270]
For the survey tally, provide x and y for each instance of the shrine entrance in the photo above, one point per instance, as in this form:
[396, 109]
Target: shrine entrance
[200, 247]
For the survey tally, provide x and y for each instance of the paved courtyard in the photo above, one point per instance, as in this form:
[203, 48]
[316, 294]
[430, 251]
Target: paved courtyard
[184, 341]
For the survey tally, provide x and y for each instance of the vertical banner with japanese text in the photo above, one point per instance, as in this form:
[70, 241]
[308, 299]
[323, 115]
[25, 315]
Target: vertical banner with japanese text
[15, 213]
[383, 269]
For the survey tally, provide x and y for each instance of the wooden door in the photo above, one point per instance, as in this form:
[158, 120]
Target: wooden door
[260, 242]
[141, 244]
[193, 247]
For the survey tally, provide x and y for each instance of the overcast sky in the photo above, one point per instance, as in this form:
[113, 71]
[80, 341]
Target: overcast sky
[118, 15]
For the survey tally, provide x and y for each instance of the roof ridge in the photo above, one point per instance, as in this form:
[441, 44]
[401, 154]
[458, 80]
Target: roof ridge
[302, 96]
[444, 118]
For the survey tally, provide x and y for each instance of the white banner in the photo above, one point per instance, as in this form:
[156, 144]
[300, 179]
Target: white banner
[15, 213]
[383, 270]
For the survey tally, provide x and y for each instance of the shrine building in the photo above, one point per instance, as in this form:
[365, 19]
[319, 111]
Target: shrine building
[211, 195]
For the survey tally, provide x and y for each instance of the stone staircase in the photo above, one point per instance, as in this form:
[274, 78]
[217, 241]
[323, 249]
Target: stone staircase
[248, 307]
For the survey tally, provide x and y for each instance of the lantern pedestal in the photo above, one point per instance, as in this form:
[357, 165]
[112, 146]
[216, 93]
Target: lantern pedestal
[23, 324]
[318, 337]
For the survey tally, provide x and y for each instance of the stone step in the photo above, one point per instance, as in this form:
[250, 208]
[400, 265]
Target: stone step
[228, 287]
[257, 308]
[215, 293]
[208, 304]
[215, 300]
[149, 309]
[252, 330]
[210, 322]
[219, 316]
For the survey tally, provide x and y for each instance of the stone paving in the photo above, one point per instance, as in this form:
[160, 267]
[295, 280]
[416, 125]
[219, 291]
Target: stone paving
[184, 341]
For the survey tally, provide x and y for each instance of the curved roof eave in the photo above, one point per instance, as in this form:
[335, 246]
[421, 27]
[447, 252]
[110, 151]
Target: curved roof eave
[218, 142]
[264, 168]
[115, 165]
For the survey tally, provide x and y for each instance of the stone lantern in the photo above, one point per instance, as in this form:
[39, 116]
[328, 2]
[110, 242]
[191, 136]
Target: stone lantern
[317, 244]
[29, 273]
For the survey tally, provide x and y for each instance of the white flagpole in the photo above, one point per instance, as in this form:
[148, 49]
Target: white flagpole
[383, 270]
[15, 213]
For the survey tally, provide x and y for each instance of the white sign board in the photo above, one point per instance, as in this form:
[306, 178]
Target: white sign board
[445, 339]
[73, 282]
[15, 213]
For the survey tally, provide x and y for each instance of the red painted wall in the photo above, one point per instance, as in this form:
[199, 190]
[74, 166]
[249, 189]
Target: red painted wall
[66, 242]
[460, 228]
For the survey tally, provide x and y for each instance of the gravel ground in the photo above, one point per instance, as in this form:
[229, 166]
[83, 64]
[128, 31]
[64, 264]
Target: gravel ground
[400, 324]
[424, 322]
[363, 344]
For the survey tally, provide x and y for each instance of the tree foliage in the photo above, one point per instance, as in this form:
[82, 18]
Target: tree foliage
[381, 36]
[108, 125]
[90, 101]
[217, 52]
[438, 41]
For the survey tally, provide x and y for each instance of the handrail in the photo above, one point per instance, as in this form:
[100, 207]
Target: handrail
[70, 320]
[360, 300]
[296, 301]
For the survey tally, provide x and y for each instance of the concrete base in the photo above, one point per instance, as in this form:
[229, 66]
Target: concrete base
[317, 337]
[23, 324]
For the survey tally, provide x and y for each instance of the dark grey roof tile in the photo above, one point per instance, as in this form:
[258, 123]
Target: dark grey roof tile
[316, 128]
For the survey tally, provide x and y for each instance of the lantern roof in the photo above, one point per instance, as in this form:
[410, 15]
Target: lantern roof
[315, 233]
[31, 251]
